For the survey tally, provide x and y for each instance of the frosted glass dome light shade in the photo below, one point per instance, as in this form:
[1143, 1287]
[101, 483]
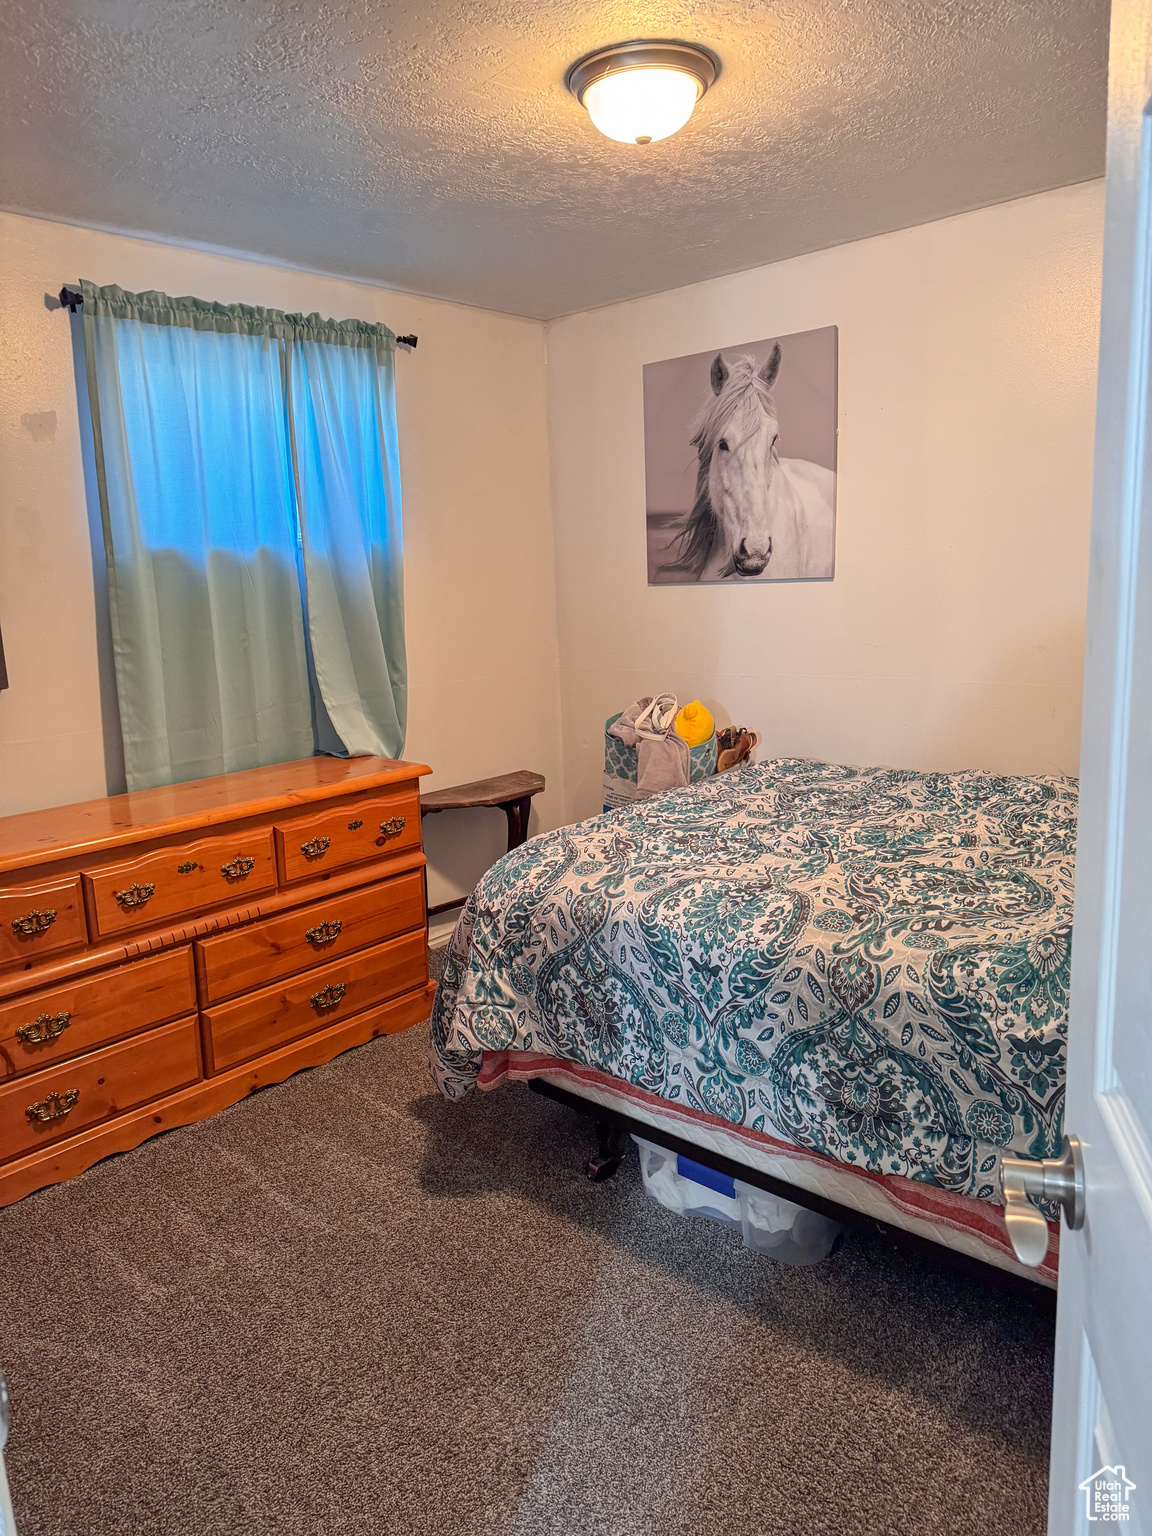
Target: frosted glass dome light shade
[639, 93]
[642, 106]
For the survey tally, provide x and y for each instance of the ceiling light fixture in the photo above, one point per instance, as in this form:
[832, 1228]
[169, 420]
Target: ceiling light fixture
[638, 93]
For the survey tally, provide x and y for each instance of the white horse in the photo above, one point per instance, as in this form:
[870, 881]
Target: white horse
[755, 512]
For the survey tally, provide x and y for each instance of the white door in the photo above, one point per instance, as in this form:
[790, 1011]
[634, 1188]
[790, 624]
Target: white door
[1102, 1415]
[7, 1519]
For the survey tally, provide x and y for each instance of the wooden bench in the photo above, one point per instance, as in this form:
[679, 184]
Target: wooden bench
[511, 792]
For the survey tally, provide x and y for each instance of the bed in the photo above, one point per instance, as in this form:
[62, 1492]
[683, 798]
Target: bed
[856, 979]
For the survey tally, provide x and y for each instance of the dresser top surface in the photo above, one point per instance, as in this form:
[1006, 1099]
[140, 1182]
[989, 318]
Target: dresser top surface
[93, 826]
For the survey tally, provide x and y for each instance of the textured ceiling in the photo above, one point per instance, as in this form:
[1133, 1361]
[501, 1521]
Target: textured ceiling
[434, 146]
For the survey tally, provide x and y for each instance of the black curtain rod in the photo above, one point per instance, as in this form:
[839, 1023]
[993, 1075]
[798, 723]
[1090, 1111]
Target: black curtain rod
[72, 298]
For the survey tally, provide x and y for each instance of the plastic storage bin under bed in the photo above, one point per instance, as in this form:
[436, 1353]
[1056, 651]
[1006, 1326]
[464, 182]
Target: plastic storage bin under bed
[791, 1233]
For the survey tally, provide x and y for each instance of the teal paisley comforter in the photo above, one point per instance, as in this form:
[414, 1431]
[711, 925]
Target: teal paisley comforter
[872, 963]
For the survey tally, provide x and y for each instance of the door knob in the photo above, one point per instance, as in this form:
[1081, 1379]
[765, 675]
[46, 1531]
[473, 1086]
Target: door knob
[1022, 1180]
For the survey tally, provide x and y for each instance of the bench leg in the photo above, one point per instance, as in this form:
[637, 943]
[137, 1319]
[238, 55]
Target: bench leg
[517, 812]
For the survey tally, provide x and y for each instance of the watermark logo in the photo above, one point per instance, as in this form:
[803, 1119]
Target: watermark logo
[1107, 1493]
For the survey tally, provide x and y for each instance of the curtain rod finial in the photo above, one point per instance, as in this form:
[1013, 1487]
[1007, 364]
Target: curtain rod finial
[407, 341]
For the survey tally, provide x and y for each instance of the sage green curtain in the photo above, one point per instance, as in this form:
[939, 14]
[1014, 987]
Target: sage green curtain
[247, 467]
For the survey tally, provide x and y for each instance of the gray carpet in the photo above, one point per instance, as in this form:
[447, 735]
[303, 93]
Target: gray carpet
[348, 1307]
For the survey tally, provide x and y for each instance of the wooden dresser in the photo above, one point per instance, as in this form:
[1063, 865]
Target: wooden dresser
[166, 952]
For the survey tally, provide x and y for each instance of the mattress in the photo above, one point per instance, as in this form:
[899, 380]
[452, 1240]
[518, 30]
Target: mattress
[868, 965]
[974, 1228]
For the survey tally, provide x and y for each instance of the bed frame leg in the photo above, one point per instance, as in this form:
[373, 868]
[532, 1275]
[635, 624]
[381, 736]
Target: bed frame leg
[610, 1142]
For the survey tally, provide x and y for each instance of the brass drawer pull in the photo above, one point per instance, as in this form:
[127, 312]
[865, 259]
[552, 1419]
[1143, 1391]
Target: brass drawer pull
[328, 996]
[392, 827]
[187, 867]
[135, 896]
[54, 1107]
[324, 933]
[34, 923]
[47, 1027]
[354, 826]
[239, 867]
[316, 847]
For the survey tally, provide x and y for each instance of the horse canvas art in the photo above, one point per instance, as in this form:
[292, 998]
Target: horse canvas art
[740, 457]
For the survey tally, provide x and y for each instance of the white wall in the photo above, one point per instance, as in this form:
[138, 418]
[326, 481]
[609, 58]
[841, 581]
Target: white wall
[479, 567]
[952, 635]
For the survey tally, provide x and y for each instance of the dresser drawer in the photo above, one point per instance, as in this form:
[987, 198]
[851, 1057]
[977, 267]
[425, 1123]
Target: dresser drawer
[44, 1027]
[171, 881]
[62, 1100]
[348, 834]
[234, 1032]
[311, 935]
[39, 919]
